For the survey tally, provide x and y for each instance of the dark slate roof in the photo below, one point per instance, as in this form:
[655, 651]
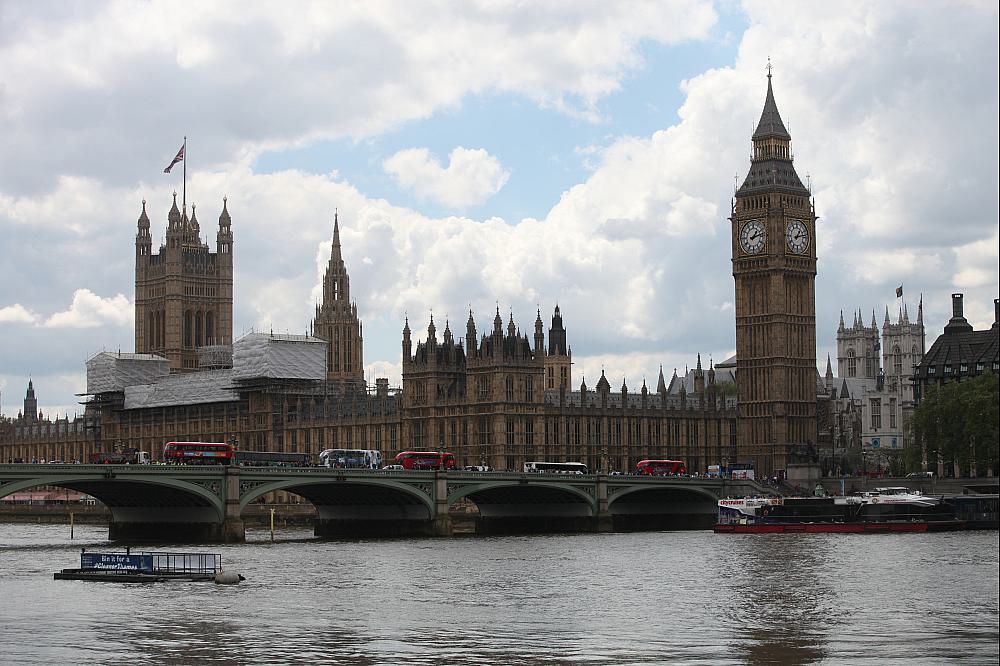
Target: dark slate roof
[603, 384]
[770, 124]
[955, 347]
[773, 174]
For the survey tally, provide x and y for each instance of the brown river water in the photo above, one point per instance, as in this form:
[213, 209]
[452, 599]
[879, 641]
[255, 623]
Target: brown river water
[628, 598]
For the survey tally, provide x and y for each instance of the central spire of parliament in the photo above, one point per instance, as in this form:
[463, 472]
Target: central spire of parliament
[336, 319]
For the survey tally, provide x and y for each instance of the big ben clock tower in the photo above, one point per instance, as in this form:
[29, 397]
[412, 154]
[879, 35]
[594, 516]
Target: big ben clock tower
[774, 266]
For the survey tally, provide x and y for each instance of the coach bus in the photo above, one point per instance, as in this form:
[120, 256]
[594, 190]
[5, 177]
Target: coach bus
[426, 460]
[351, 458]
[660, 468]
[555, 468]
[126, 457]
[198, 453]
[271, 459]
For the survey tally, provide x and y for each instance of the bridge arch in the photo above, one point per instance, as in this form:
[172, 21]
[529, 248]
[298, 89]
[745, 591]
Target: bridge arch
[660, 507]
[708, 495]
[119, 491]
[471, 490]
[318, 489]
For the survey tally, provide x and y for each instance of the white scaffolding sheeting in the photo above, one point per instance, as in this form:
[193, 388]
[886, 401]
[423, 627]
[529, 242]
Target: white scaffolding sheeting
[191, 388]
[215, 357]
[269, 356]
[109, 371]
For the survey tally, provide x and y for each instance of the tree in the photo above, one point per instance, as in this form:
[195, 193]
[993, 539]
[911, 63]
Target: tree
[958, 422]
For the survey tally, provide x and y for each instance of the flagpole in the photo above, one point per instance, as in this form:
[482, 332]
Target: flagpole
[184, 187]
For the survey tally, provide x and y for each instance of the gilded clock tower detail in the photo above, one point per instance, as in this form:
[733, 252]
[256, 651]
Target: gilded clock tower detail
[774, 266]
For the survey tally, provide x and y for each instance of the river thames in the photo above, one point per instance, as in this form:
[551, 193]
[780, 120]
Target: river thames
[632, 598]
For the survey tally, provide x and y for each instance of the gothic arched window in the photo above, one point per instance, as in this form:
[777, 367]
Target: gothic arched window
[897, 361]
[187, 328]
[852, 364]
[510, 388]
[209, 328]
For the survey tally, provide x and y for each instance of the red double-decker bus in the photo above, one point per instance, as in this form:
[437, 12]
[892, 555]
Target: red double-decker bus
[426, 460]
[198, 453]
[660, 467]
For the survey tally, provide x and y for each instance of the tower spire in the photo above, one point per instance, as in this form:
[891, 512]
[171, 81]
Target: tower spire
[770, 124]
[338, 322]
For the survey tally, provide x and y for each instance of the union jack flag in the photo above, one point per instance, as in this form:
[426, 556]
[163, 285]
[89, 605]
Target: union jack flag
[179, 157]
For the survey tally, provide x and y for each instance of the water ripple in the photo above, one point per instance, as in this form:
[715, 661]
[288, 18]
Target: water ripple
[682, 597]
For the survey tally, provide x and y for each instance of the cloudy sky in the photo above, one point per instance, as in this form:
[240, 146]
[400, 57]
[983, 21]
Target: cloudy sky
[520, 154]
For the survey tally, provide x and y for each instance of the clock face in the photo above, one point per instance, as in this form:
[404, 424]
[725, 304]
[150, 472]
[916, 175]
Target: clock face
[752, 237]
[797, 237]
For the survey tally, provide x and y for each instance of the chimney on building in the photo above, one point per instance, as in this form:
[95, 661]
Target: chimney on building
[996, 312]
[958, 322]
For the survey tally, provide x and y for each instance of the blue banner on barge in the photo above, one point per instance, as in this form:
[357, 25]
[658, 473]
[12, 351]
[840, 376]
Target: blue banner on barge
[116, 562]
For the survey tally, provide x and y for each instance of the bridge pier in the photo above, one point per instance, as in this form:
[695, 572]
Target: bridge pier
[603, 521]
[232, 529]
[442, 526]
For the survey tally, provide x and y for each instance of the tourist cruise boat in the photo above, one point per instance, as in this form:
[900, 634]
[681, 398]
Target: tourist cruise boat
[880, 510]
[899, 495]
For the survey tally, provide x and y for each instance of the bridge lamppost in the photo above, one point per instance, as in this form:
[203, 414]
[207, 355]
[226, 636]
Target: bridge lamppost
[604, 461]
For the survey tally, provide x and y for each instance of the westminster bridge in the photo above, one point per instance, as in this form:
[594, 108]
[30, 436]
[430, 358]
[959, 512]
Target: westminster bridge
[205, 503]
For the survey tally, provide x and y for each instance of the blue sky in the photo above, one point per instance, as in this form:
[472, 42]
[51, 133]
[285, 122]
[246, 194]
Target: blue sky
[487, 152]
[542, 147]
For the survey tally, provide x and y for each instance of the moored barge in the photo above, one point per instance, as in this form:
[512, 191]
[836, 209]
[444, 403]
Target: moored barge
[143, 567]
[884, 510]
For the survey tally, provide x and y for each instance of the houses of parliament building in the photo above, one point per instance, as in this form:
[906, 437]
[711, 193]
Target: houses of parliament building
[492, 394]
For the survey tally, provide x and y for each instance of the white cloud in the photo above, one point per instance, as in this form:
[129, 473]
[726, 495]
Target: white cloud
[17, 313]
[471, 177]
[88, 310]
[239, 78]
[889, 106]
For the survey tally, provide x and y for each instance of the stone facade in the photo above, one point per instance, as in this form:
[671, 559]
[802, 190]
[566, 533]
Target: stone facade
[336, 319]
[872, 397]
[489, 403]
[183, 292]
[774, 267]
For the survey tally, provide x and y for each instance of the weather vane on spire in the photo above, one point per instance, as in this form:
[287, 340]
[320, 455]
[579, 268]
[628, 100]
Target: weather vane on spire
[769, 66]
